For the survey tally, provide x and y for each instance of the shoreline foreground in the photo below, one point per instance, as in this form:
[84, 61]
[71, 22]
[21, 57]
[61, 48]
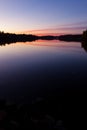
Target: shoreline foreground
[62, 113]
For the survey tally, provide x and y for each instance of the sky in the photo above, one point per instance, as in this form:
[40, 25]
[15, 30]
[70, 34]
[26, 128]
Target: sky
[43, 16]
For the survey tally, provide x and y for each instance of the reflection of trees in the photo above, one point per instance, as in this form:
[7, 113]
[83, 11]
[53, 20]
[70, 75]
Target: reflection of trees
[84, 40]
[84, 45]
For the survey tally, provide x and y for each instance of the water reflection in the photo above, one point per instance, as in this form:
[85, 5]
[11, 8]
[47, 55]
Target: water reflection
[53, 43]
[84, 45]
[41, 68]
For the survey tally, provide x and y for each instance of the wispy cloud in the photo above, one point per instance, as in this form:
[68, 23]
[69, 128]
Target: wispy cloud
[84, 23]
[67, 28]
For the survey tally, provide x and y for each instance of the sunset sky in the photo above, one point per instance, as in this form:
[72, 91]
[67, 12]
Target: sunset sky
[43, 16]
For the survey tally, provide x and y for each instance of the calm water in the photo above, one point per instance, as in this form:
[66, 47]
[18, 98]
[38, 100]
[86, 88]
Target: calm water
[41, 68]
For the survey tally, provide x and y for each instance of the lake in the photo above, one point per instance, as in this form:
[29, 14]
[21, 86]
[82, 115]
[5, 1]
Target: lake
[42, 68]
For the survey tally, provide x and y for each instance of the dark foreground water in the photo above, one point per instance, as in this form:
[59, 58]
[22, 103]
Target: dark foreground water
[50, 72]
[41, 68]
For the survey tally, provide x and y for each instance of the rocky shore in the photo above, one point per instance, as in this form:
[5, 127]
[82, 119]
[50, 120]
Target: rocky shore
[36, 115]
[62, 113]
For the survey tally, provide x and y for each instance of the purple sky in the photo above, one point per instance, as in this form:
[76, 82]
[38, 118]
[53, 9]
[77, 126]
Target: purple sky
[53, 16]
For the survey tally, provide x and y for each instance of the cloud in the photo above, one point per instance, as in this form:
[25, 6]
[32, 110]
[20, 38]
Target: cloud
[84, 23]
[62, 29]
[54, 30]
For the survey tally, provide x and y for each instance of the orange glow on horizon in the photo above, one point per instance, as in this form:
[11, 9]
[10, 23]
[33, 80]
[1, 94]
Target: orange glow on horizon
[54, 31]
[40, 33]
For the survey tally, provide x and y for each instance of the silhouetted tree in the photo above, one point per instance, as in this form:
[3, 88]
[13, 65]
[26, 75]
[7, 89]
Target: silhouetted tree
[13, 38]
[71, 38]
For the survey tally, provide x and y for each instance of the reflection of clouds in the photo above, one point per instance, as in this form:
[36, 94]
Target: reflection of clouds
[60, 46]
[70, 46]
[55, 43]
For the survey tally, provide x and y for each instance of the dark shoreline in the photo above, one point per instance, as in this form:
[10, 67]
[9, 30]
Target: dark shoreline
[61, 112]
[12, 38]
[8, 38]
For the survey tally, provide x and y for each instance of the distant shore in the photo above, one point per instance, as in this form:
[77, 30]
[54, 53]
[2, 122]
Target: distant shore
[8, 38]
[12, 38]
